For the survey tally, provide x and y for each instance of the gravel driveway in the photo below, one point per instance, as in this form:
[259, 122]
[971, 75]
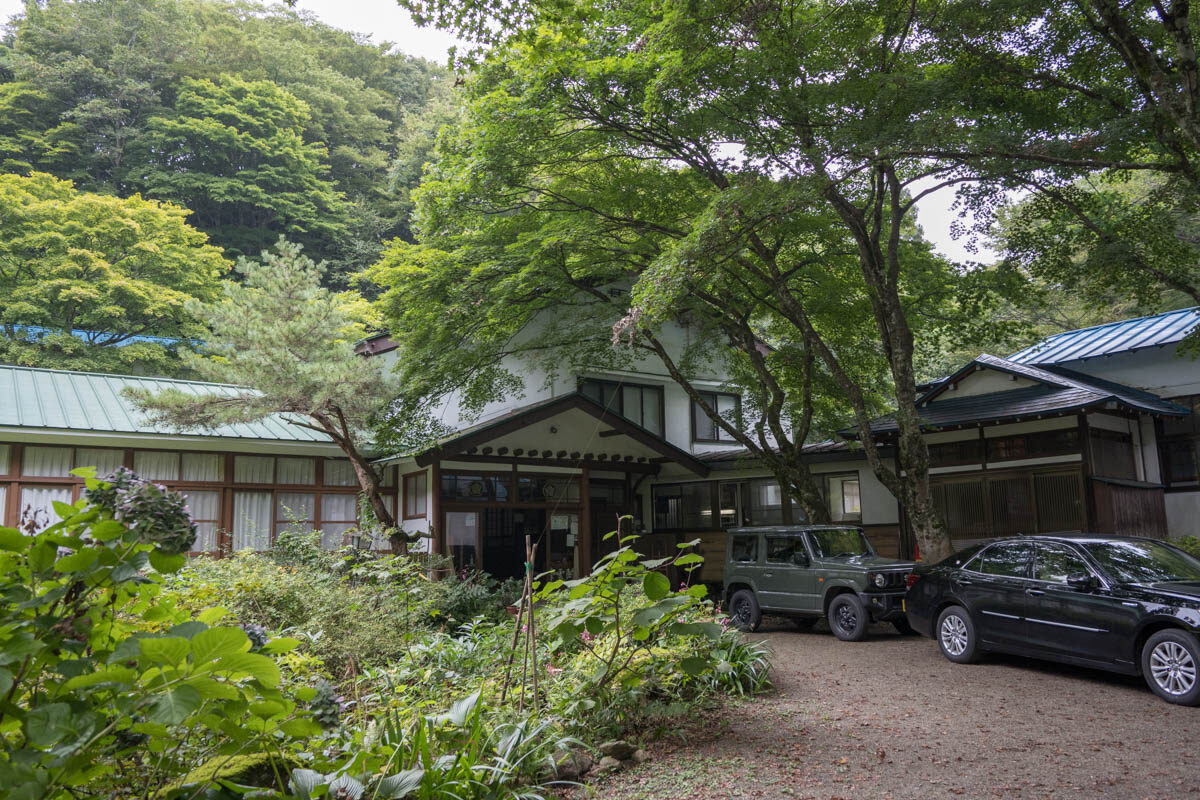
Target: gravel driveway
[891, 718]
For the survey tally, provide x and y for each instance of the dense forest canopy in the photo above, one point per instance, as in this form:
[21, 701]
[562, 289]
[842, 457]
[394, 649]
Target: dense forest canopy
[247, 122]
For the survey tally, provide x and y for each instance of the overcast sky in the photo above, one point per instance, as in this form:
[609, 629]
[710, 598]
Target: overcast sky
[385, 21]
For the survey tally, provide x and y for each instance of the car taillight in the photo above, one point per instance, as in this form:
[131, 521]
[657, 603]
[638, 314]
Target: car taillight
[910, 579]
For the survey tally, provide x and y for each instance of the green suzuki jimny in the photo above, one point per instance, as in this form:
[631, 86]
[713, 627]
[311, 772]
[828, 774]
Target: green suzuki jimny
[811, 571]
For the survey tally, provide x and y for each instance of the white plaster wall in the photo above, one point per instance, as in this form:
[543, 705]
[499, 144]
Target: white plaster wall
[984, 381]
[1161, 370]
[1183, 514]
[1148, 461]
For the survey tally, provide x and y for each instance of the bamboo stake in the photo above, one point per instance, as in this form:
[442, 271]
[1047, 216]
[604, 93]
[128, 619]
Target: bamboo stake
[512, 650]
[532, 627]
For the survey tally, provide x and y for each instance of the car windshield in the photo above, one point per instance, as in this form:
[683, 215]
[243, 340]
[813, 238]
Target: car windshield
[1144, 562]
[834, 542]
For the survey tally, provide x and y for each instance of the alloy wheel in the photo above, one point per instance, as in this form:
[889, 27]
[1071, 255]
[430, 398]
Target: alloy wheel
[741, 612]
[953, 635]
[1173, 668]
[847, 618]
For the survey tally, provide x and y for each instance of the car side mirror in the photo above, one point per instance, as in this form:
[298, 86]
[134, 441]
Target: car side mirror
[1082, 581]
[800, 558]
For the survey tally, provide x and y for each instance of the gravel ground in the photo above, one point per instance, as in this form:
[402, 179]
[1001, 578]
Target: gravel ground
[891, 718]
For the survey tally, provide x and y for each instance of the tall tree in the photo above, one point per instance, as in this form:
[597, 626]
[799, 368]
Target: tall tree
[789, 122]
[90, 281]
[234, 151]
[288, 344]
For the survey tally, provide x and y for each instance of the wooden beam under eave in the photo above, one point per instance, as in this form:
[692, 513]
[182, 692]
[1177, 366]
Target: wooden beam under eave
[629, 466]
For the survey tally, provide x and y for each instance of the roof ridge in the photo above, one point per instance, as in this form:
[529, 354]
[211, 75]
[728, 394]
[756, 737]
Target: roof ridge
[20, 368]
[1121, 322]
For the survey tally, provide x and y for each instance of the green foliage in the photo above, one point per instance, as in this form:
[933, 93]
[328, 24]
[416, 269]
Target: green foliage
[90, 92]
[287, 343]
[1189, 543]
[107, 682]
[108, 268]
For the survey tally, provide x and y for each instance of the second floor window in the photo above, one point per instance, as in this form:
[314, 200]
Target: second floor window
[641, 405]
[704, 428]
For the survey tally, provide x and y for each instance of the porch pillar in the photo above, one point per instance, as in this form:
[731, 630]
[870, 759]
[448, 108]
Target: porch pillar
[583, 548]
[438, 543]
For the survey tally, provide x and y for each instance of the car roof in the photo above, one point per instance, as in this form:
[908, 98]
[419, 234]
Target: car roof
[1078, 538]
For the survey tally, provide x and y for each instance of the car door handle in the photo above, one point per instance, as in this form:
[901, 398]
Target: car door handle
[768, 574]
[964, 582]
[1035, 592]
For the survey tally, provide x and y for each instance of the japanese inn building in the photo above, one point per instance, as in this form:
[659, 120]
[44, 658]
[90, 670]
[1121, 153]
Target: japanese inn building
[1089, 430]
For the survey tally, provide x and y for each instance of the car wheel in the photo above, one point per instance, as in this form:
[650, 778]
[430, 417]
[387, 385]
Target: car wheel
[848, 618]
[804, 623]
[903, 628]
[956, 635]
[1170, 660]
[744, 613]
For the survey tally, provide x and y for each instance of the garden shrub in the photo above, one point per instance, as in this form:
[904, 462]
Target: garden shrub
[1189, 543]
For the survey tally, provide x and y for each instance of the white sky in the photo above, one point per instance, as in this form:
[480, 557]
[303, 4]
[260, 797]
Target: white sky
[385, 21]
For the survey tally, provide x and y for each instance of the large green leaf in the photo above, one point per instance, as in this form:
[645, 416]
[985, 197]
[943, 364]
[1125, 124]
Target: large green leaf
[694, 665]
[174, 707]
[400, 785]
[656, 586]
[259, 667]
[112, 674]
[47, 725]
[77, 562]
[300, 728]
[169, 650]
[167, 562]
[13, 540]
[215, 643]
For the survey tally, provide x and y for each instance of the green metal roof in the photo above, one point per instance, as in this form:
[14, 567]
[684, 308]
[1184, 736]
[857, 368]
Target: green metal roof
[89, 401]
[1115, 337]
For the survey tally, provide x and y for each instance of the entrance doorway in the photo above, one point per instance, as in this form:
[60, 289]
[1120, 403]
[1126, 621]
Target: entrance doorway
[494, 539]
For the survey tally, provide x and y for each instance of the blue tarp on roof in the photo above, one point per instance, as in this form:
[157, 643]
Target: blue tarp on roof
[1112, 338]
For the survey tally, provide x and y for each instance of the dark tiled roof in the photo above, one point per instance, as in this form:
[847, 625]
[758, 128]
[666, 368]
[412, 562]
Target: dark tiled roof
[1058, 391]
[1114, 337]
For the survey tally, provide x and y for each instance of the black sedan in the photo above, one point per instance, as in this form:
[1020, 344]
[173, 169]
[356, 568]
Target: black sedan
[1121, 604]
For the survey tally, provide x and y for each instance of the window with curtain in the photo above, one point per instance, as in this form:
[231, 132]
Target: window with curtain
[339, 472]
[5, 459]
[105, 461]
[156, 465]
[296, 471]
[682, 506]
[253, 469]
[704, 429]
[642, 405]
[252, 512]
[844, 500]
[388, 477]
[202, 467]
[766, 502]
[3, 499]
[47, 462]
[296, 507]
[205, 510]
[339, 513]
[416, 491]
[37, 504]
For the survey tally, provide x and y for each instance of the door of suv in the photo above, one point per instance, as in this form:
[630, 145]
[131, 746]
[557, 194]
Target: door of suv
[786, 582]
[994, 591]
[1068, 621]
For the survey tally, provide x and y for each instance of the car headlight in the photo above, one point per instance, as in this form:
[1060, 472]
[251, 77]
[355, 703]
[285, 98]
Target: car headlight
[880, 580]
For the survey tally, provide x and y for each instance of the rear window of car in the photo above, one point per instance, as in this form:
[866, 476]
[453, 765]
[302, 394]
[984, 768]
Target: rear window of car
[744, 548]
[1007, 560]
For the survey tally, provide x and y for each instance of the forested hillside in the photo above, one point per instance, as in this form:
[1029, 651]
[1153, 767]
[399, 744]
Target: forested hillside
[260, 122]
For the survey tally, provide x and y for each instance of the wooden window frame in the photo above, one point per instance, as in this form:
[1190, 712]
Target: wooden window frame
[737, 400]
[620, 398]
[404, 492]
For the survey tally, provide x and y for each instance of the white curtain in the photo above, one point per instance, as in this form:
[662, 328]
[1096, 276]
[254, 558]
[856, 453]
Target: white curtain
[416, 489]
[156, 465]
[105, 461]
[253, 469]
[5, 459]
[333, 534]
[252, 520]
[202, 467]
[3, 498]
[339, 507]
[297, 471]
[339, 472]
[205, 509]
[295, 505]
[37, 503]
[389, 477]
[46, 462]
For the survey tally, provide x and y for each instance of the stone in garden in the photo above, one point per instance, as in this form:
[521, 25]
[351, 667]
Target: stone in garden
[608, 764]
[639, 756]
[571, 765]
[619, 750]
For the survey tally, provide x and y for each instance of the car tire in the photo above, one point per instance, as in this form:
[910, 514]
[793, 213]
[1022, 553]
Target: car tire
[804, 623]
[955, 634]
[903, 628]
[744, 613]
[848, 618]
[1171, 666]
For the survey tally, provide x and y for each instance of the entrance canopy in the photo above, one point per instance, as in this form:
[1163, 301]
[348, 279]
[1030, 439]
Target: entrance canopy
[567, 431]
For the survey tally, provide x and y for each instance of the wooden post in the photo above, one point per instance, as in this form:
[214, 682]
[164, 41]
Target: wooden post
[583, 547]
[438, 543]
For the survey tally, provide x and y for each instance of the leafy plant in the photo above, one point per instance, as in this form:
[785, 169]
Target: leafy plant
[106, 682]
